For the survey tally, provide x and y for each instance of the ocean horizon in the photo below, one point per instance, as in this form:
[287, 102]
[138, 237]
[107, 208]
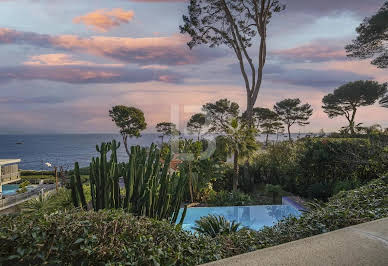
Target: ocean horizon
[64, 150]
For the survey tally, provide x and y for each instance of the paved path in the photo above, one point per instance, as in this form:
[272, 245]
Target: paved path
[363, 244]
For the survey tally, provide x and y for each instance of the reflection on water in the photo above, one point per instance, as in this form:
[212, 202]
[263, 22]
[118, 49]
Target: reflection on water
[254, 217]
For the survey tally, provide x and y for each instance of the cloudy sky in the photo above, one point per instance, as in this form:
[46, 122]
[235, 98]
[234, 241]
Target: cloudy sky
[64, 64]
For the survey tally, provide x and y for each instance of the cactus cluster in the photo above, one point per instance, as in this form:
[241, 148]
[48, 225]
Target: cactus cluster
[149, 188]
[77, 192]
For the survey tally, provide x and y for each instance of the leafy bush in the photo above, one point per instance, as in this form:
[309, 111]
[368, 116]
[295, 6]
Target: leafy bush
[36, 173]
[226, 198]
[327, 160]
[37, 177]
[49, 203]
[277, 164]
[347, 208]
[345, 185]
[274, 190]
[23, 187]
[313, 167]
[213, 226]
[83, 171]
[112, 236]
[104, 237]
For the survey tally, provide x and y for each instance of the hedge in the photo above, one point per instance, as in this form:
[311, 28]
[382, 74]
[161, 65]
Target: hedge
[347, 208]
[319, 167]
[115, 237]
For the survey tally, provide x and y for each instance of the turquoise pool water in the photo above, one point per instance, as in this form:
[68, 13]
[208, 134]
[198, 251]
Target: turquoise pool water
[254, 217]
[10, 189]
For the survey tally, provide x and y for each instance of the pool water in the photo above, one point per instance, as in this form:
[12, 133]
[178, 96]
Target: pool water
[10, 189]
[253, 217]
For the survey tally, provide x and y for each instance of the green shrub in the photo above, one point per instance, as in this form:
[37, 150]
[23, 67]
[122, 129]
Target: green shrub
[23, 187]
[347, 208]
[36, 173]
[345, 185]
[83, 171]
[49, 203]
[318, 191]
[313, 167]
[275, 190]
[213, 226]
[226, 198]
[277, 164]
[104, 237]
[112, 236]
[24, 184]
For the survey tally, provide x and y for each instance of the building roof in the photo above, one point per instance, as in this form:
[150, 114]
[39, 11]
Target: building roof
[9, 161]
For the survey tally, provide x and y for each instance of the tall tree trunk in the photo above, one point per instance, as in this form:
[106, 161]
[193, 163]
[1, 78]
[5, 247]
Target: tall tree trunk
[351, 122]
[235, 170]
[289, 133]
[249, 111]
[266, 140]
[125, 139]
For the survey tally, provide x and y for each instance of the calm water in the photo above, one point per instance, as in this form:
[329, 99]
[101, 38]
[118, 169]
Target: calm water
[254, 217]
[64, 150]
[10, 189]
[60, 150]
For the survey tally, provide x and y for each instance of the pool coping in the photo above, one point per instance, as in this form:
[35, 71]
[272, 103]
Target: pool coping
[294, 202]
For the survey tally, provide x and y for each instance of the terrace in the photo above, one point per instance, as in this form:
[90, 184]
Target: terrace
[9, 172]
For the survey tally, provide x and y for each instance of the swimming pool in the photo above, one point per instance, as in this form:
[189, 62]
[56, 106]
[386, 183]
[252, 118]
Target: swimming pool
[253, 217]
[10, 189]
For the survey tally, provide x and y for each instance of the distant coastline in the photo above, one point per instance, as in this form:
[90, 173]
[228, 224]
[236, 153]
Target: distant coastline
[65, 149]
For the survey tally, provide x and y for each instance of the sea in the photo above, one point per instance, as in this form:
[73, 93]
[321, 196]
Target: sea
[63, 150]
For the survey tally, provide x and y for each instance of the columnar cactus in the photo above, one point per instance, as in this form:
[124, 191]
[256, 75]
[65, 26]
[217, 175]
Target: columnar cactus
[150, 190]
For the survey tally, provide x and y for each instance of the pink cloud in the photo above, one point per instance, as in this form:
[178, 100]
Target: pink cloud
[62, 60]
[103, 20]
[318, 51]
[170, 50]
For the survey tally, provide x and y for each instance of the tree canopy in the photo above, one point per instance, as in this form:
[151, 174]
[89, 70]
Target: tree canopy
[167, 129]
[372, 39]
[220, 114]
[196, 124]
[346, 99]
[266, 121]
[291, 112]
[234, 23]
[130, 120]
[235, 135]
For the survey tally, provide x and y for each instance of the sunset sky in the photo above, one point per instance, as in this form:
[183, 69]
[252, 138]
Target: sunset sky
[64, 64]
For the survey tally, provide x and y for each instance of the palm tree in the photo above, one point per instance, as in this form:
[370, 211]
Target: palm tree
[239, 140]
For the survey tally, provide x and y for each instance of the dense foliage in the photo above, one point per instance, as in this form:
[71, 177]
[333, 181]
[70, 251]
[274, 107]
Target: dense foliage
[347, 208]
[319, 167]
[99, 237]
[213, 226]
[292, 111]
[48, 203]
[112, 236]
[372, 38]
[129, 120]
[346, 100]
[226, 198]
